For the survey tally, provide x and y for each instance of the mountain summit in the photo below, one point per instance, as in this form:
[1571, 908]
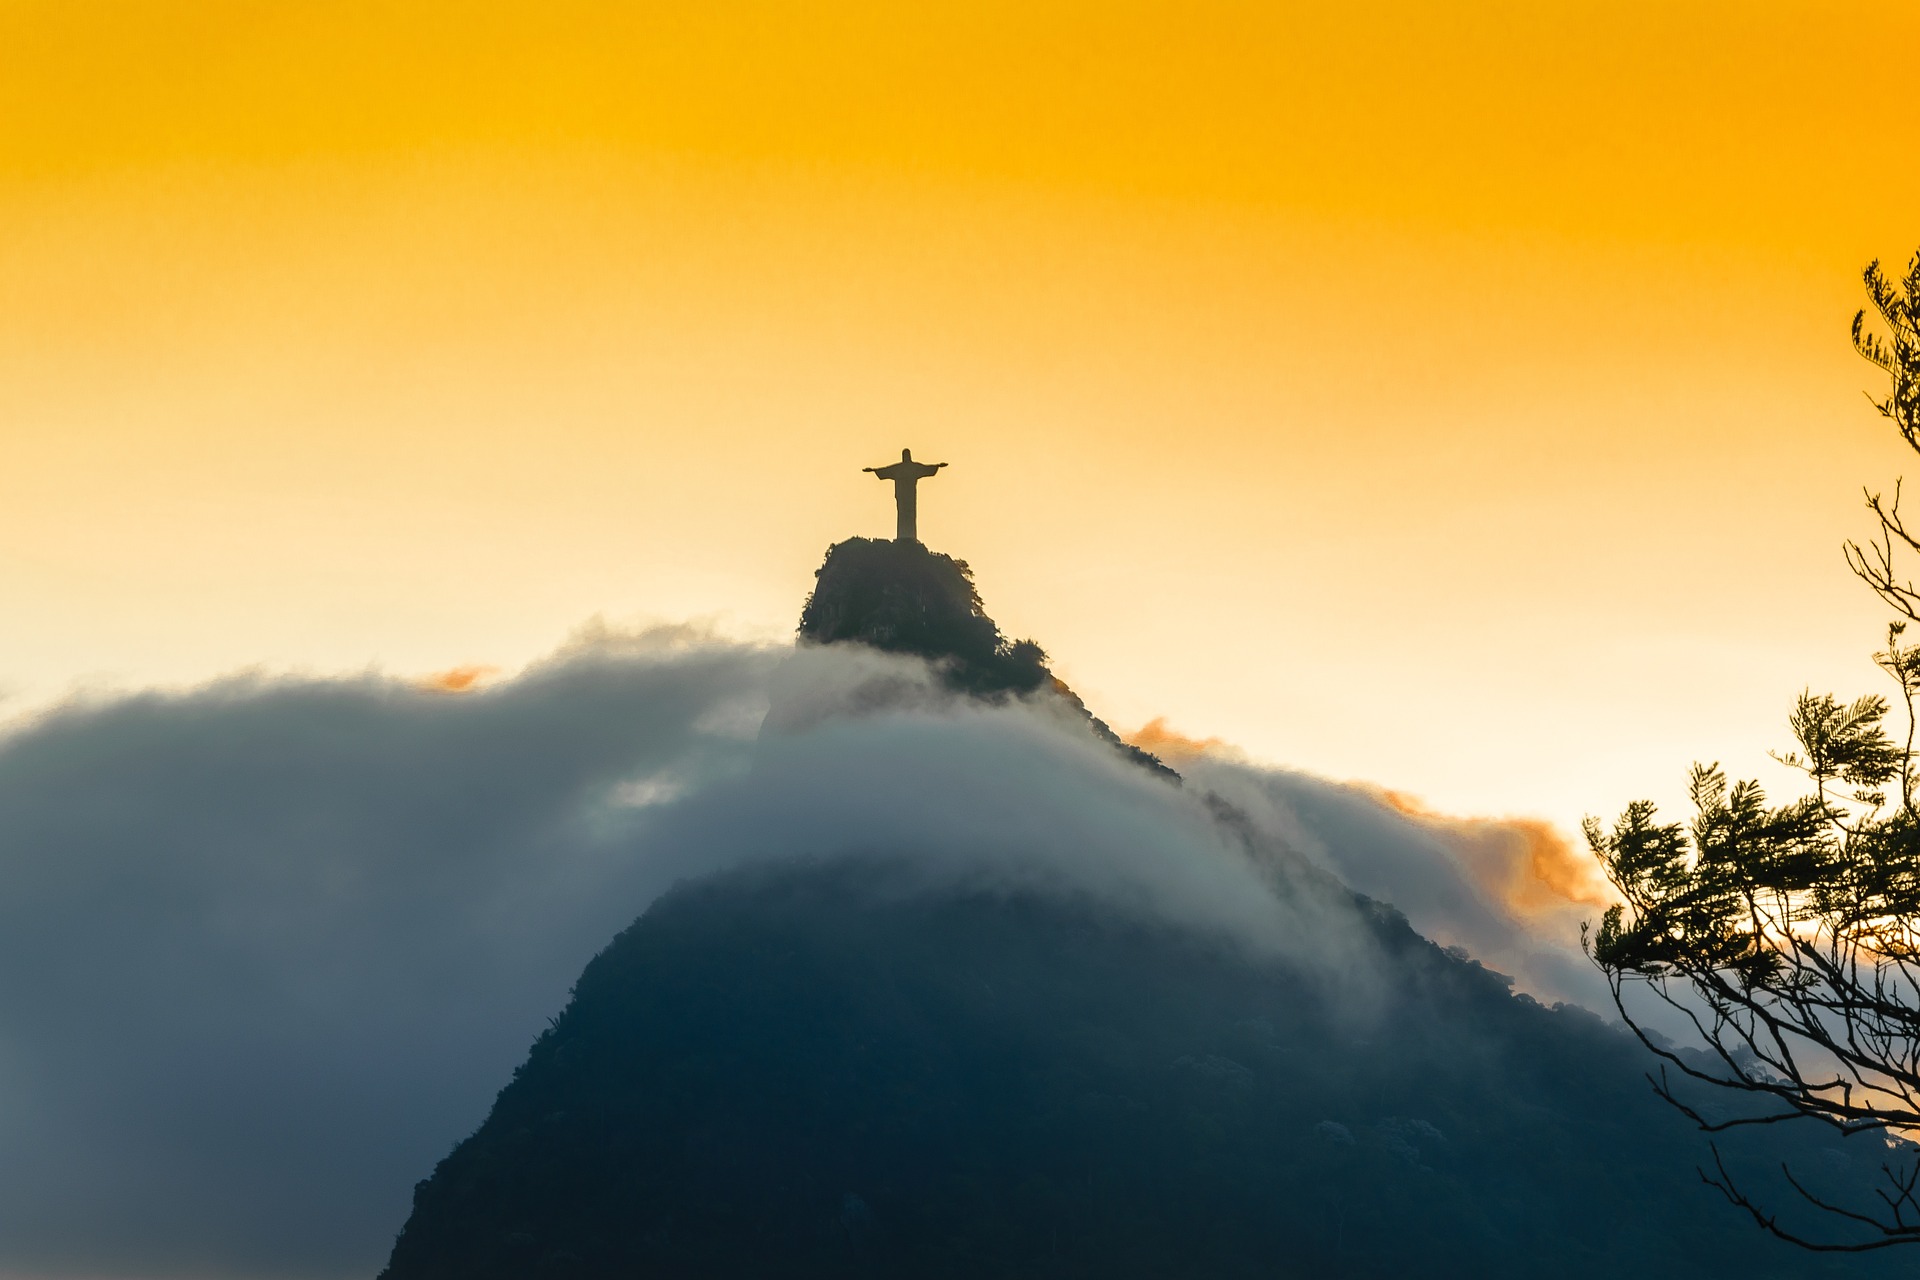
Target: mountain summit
[832, 1066]
[899, 597]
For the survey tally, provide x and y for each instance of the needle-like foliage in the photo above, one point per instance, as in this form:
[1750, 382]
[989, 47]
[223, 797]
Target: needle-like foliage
[1788, 937]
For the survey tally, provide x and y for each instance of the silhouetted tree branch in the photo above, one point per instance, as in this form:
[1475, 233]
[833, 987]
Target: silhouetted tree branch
[1788, 938]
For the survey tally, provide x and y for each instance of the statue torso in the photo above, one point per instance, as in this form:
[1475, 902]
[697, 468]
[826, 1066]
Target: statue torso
[905, 471]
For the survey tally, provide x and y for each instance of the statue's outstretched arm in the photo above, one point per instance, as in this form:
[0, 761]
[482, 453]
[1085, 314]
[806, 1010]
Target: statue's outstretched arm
[870, 469]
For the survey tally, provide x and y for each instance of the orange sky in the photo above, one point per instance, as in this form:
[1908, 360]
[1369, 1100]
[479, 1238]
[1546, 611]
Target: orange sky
[1455, 396]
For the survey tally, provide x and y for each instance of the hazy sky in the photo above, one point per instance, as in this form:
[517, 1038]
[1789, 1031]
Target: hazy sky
[1455, 396]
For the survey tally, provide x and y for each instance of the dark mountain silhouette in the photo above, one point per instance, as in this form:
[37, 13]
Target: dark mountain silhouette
[902, 598]
[817, 1070]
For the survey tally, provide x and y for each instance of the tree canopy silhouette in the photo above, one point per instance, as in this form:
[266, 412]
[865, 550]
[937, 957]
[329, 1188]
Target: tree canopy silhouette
[1788, 937]
[903, 598]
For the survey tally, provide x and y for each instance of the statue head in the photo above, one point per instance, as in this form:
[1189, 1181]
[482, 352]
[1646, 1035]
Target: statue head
[906, 455]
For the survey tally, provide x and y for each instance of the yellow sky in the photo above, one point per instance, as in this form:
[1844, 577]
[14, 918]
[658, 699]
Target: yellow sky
[1455, 396]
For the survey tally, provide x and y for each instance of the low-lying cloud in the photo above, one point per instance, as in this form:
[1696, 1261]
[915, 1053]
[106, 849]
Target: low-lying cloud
[461, 679]
[268, 949]
[1176, 748]
[1507, 890]
[1526, 863]
[1513, 891]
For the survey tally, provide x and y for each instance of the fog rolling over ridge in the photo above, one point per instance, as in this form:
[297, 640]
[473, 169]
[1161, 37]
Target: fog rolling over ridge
[1020, 1001]
[1455, 879]
[268, 948]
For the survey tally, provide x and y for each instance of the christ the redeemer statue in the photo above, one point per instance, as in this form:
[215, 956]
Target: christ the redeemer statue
[906, 474]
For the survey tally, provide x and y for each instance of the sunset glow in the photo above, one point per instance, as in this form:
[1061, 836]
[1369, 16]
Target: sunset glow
[1418, 393]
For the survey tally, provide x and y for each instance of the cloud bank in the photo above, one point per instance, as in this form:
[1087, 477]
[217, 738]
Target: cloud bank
[1511, 891]
[267, 949]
